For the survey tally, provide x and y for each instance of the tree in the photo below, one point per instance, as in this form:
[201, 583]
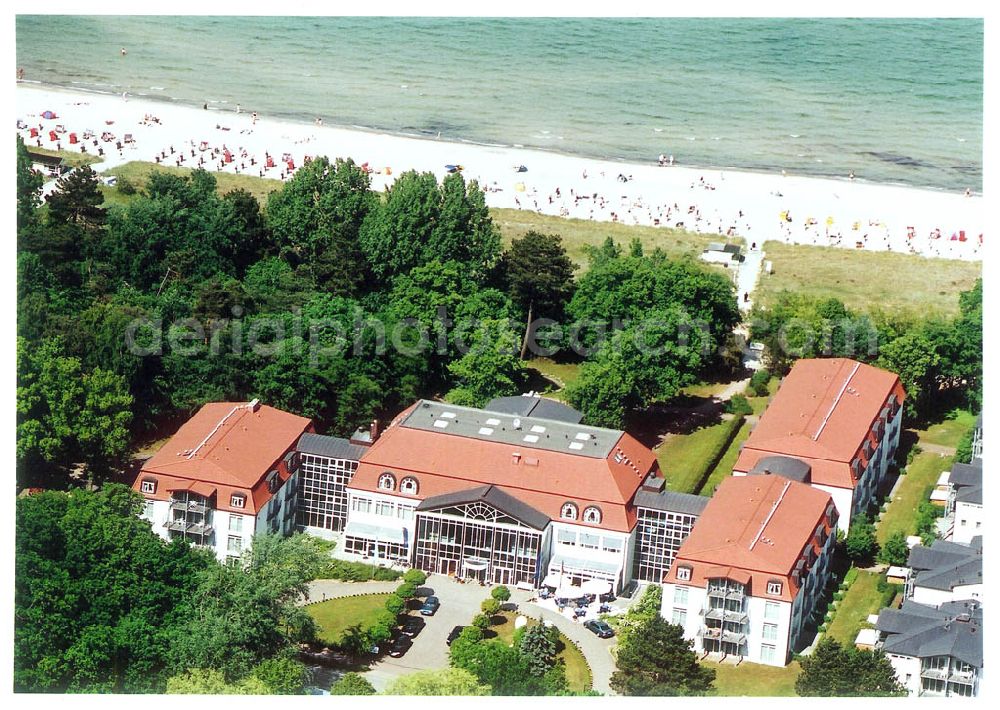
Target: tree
[452, 681]
[501, 593]
[656, 659]
[202, 681]
[77, 200]
[832, 670]
[913, 357]
[282, 676]
[253, 241]
[860, 544]
[29, 186]
[758, 383]
[97, 593]
[895, 551]
[352, 684]
[539, 278]
[491, 368]
[415, 576]
[539, 645]
[394, 604]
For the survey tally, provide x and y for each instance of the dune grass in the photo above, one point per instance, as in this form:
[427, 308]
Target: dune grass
[578, 234]
[897, 283]
[755, 680]
[73, 158]
[335, 616]
[578, 675]
[137, 172]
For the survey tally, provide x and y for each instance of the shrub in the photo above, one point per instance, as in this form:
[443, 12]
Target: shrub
[482, 621]
[490, 606]
[852, 574]
[358, 572]
[758, 383]
[406, 590]
[822, 628]
[125, 186]
[352, 684]
[501, 593]
[838, 596]
[737, 404]
[395, 604]
[415, 577]
[914, 451]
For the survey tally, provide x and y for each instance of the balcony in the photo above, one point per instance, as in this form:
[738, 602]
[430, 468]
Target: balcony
[934, 673]
[188, 527]
[735, 617]
[717, 634]
[189, 507]
[722, 593]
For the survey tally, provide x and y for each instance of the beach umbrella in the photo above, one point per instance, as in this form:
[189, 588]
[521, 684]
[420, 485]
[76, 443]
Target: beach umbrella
[48, 114]
[829, 221]
[596, 586]
[519, 187]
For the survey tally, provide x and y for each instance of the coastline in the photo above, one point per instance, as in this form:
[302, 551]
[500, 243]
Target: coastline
[757, 206]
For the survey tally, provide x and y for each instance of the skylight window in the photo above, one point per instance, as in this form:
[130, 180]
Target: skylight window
[441, 423]
[575, 445]
[583, 436]
[447, 415]
[531, 438]
[538, 429]
[492, 422]
[485, 430]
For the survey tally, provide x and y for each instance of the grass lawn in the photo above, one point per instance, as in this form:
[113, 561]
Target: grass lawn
[948, 432]
[902, 511]
[684, 458]
[704, 390]
[577, 234]
[759, 404]
[137, 172]
[561, 374]
[852, 613]
[75, 159]
[577, 671]
[861, 278]
[725, 466]
[335, 616]
[754, 679]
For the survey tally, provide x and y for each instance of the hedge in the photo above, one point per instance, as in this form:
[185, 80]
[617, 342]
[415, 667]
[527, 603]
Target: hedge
[345, 571]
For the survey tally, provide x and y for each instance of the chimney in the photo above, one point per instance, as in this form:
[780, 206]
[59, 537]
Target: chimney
[253, 405]
[373, 430]
[515, 458]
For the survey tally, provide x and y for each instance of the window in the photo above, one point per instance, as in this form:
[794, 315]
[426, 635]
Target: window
[680, 595]
[766, 653]
[387, 482]
[149, 485]
[409, 486]
[405, 512]
[771, 610]
[774, 588]
[362, 505]
[566, 537]
[770, 632]
[568, 511]
[679, 617]
[148, 511]
[383, 507]
[611, 544]
[592, 514]
[234, 545]
[237, 501]
[236, 523]
[589, 541]
[684, 573]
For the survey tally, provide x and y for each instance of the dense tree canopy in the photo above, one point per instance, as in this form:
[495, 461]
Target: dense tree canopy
[831, 670]
[452, 681]
[655, 659]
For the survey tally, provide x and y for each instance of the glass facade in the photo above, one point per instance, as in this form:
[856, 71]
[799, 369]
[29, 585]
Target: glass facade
[322, 491]
[475, 540]
[658, 537]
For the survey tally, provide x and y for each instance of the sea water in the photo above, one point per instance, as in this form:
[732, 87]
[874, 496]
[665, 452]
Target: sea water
[891, 100]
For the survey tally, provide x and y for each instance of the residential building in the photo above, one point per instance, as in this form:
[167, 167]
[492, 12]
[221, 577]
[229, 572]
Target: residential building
[746, 580]
[935, 651]
[963, 518]
[834, 423]
[226, 475]
[325, 465]
[945, 572]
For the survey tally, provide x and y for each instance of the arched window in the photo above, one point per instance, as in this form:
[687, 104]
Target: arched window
[592, 514]
[408, 485]
[387, 482]
[568, 511]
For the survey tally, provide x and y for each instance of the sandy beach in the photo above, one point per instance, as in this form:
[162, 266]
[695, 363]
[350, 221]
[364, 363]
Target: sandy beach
[756, 206]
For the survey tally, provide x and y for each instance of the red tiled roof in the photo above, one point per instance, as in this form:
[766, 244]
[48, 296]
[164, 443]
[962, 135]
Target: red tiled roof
[822, 414]
[445, 463]
[753, 529]
[228, 447]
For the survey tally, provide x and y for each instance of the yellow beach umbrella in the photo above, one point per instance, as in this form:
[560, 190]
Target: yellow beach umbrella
[829, 221]
[519, 187]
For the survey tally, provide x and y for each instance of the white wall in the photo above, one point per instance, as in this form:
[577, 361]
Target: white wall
[842, 501]
[220, 521]
[937, 597]
[618, 559]
[907, 671]
[968, 522]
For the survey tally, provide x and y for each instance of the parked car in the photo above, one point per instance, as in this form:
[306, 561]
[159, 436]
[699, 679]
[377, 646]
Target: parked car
[412, 626]
[400, 645]
[601, 629]
[454, 634]
[430, 607]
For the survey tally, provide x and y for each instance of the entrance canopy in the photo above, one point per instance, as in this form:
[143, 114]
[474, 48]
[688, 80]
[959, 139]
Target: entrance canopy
[378, 533]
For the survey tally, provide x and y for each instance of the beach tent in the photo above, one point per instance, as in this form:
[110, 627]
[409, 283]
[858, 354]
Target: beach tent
[34, 133]
[48, 114]
[270, 162]
[53, 136]
[72, 138]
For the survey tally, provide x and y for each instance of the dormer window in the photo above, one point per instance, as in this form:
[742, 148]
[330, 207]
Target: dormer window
[409, 486]
[387, 482]
[684, 574]
[568, 512]
[148, 485]
[774, 588]
[592, 514]
[237, 500]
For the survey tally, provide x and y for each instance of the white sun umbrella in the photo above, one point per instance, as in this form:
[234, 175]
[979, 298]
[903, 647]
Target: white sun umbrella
[569, 591]
[552, 579]
[596, 586]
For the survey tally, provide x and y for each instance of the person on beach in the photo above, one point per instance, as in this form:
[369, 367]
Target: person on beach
[850, 175]
[253, 118]
[124, 52]
[237, 108]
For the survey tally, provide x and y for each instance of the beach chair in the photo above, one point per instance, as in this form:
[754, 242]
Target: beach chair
[52, 136]
[129, 138]
[72, 138]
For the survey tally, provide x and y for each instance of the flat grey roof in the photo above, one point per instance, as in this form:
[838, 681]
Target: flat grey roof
[671, 501]
[784, 466]
[493, 496]
[528, 405]
[529, 432]
[330, 446]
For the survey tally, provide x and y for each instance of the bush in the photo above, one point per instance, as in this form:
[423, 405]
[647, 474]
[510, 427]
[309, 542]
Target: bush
[406, 590]
[737, 404]
[415, 577]
[822, 628]
[352, 684]
[852, 574]
[838, 596]
[125, 186]
[759, 382]
[914, 451]
[395, 604]
[482, 621]
[490, 606]
[501, 593]
[358, 572]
